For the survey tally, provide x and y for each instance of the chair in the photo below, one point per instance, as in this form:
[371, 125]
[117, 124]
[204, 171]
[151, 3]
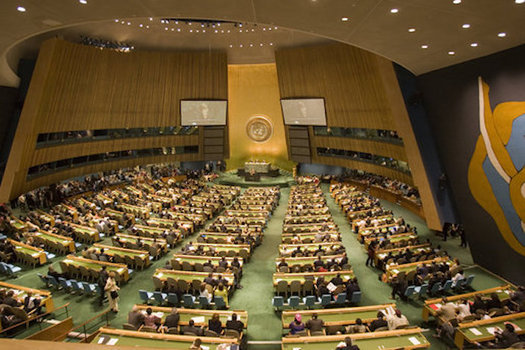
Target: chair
[219, 302]
[282, 287]
[148, 329]
[145, 296]
[409, 291]
[77, 286]
[309, 301]
[172, 299]
[183, 286]
[129, 327]
[294, 301]
[173, 330]
[332, 329]
[435, 288]
[186, 266]
[160, 297]
[196, 286]
[176, 264]
[139, 263]
[278, 303]
[340, 299]
[447, 286]
[188, 300]
[157, 282]
[43, 279]
[198, 267]
[356, 297]
[232, 333]
[380, 329]
[421, 290]
[468, 282]
[88, 288]
[295, 288]
[53, 282]
[66, 285]
[308, 287]
[210, 333]
[204, 303]
[326, 299]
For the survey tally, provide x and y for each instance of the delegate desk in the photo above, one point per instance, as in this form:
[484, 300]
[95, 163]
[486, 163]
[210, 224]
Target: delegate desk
[307, 260]
[120, 215]
[263, 214]
[17, 224]
[139, 211]
[397, 339]
[50, 240]
[190, 276]
[68, 209]
[483, 330]
[416, 249]
[308, 219]
[394, 270]
[198, 259]
[366, 232]
[21, 292]
[338, 317]
[225, 248]
[85, 233]
[121, 270]
[121, 337]
[200, 317]
[125, 254]
[167, 223]
[310, 247]
[309, 237]
[257, 167]
[131, 240]
[395, 238]
[432, 305]
[25, 252]
[219, 237]
[346, 275]
[298, 228]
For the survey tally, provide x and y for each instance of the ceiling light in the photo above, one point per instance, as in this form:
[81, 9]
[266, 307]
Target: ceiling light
[151, 18]
[196, 30]
[216, 31]
[83, 2]
[455, 2]
[275, 28]
[264, 29]
[411, 30]
[344, 19]
[116, 21]
[240, 45]
[129, 23]
[424, 46]
[394, 10]
[228, 30]
[178, 29]
[191, 30]
[271, 44]
[502, 35]
[260, 44]
[172, 29]
[165, 28]
[21, 9]
[140, 25]
[465, 26]
[204, 30]
[520, 1]
[253, 30]
[451, 53]
[474, 44]
[251, 45]
[147, 27]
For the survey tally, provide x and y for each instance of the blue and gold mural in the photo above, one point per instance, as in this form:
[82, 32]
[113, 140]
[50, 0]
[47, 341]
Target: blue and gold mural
[496, 174]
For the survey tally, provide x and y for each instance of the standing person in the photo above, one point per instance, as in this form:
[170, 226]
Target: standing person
[463, 237]
[102, 279]
[112, 289]
[371, 253]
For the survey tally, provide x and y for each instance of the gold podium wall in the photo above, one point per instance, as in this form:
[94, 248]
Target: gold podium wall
[253, 90]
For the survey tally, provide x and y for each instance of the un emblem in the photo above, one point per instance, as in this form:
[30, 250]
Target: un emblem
[259, 129]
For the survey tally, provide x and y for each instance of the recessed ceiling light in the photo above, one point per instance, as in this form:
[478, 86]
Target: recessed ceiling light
[344, 19]
[240, 45]
[82, 1]
[251, 45]
[191, 30]
[231, 45]
[520, 1]
[465, 26]
[178, 29]
[474, 44]
[271, 44]
[502, 35]
[260, 44]
[394, 10]
[129, 23]
[151, 18]
[424, 46]
[140, 25]
[455, 2]
[451, 53]
[275, 28]
[411, 30]
[116, 20]
[165, 28]
[21, 9]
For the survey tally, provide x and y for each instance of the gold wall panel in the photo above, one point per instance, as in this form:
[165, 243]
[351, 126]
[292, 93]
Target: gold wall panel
[78, 87]
[254, 91]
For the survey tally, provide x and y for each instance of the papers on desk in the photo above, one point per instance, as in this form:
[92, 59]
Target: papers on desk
[492, 330]
[331, 287]
[396, 271]
[159, 314]
[475, 331]
[112, 341]
[198, 319]
[204, 347]
[414, 340]
[299, 348]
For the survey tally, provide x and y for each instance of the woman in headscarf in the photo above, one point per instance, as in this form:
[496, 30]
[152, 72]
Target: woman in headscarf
[297, 324]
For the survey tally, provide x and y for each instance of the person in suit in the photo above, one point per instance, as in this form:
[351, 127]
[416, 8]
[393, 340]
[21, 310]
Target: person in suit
[447, 310]
[358, 327]
[10, 300]
[135, 317]
[215, 324]
[102, 279]
[172, 320]
[379, 322]
[347, 345]
[31, 303]
[191, 328]
[235, 324]
[315, 324]
[337, 280]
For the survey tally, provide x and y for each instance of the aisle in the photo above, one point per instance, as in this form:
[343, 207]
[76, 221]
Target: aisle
[257, 292]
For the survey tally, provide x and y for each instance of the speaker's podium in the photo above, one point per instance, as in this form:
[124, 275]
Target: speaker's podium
[254, 170]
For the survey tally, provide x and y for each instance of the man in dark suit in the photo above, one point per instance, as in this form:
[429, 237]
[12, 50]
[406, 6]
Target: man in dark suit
[379, 322]
[31, 303]
[10, 300]
[172, 320]
[191, 328]
[235, 324]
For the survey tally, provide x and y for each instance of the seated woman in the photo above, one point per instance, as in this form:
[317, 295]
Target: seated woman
[296, 325]
[151, 320]
[215, 324]
[221, 291]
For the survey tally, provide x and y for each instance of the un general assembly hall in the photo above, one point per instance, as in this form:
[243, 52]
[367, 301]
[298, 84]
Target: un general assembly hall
[262, 174]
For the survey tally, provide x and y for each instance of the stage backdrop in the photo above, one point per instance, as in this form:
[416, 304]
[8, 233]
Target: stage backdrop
[255, 122]
[477, 112]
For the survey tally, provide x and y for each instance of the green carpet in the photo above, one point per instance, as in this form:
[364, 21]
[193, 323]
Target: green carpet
[255, 297]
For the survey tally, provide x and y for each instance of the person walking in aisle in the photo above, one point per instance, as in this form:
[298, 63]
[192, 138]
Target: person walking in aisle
[112, 289]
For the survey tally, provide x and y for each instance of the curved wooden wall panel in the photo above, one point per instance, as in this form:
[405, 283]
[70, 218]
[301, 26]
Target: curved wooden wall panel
[77, 87]
[360, 145]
